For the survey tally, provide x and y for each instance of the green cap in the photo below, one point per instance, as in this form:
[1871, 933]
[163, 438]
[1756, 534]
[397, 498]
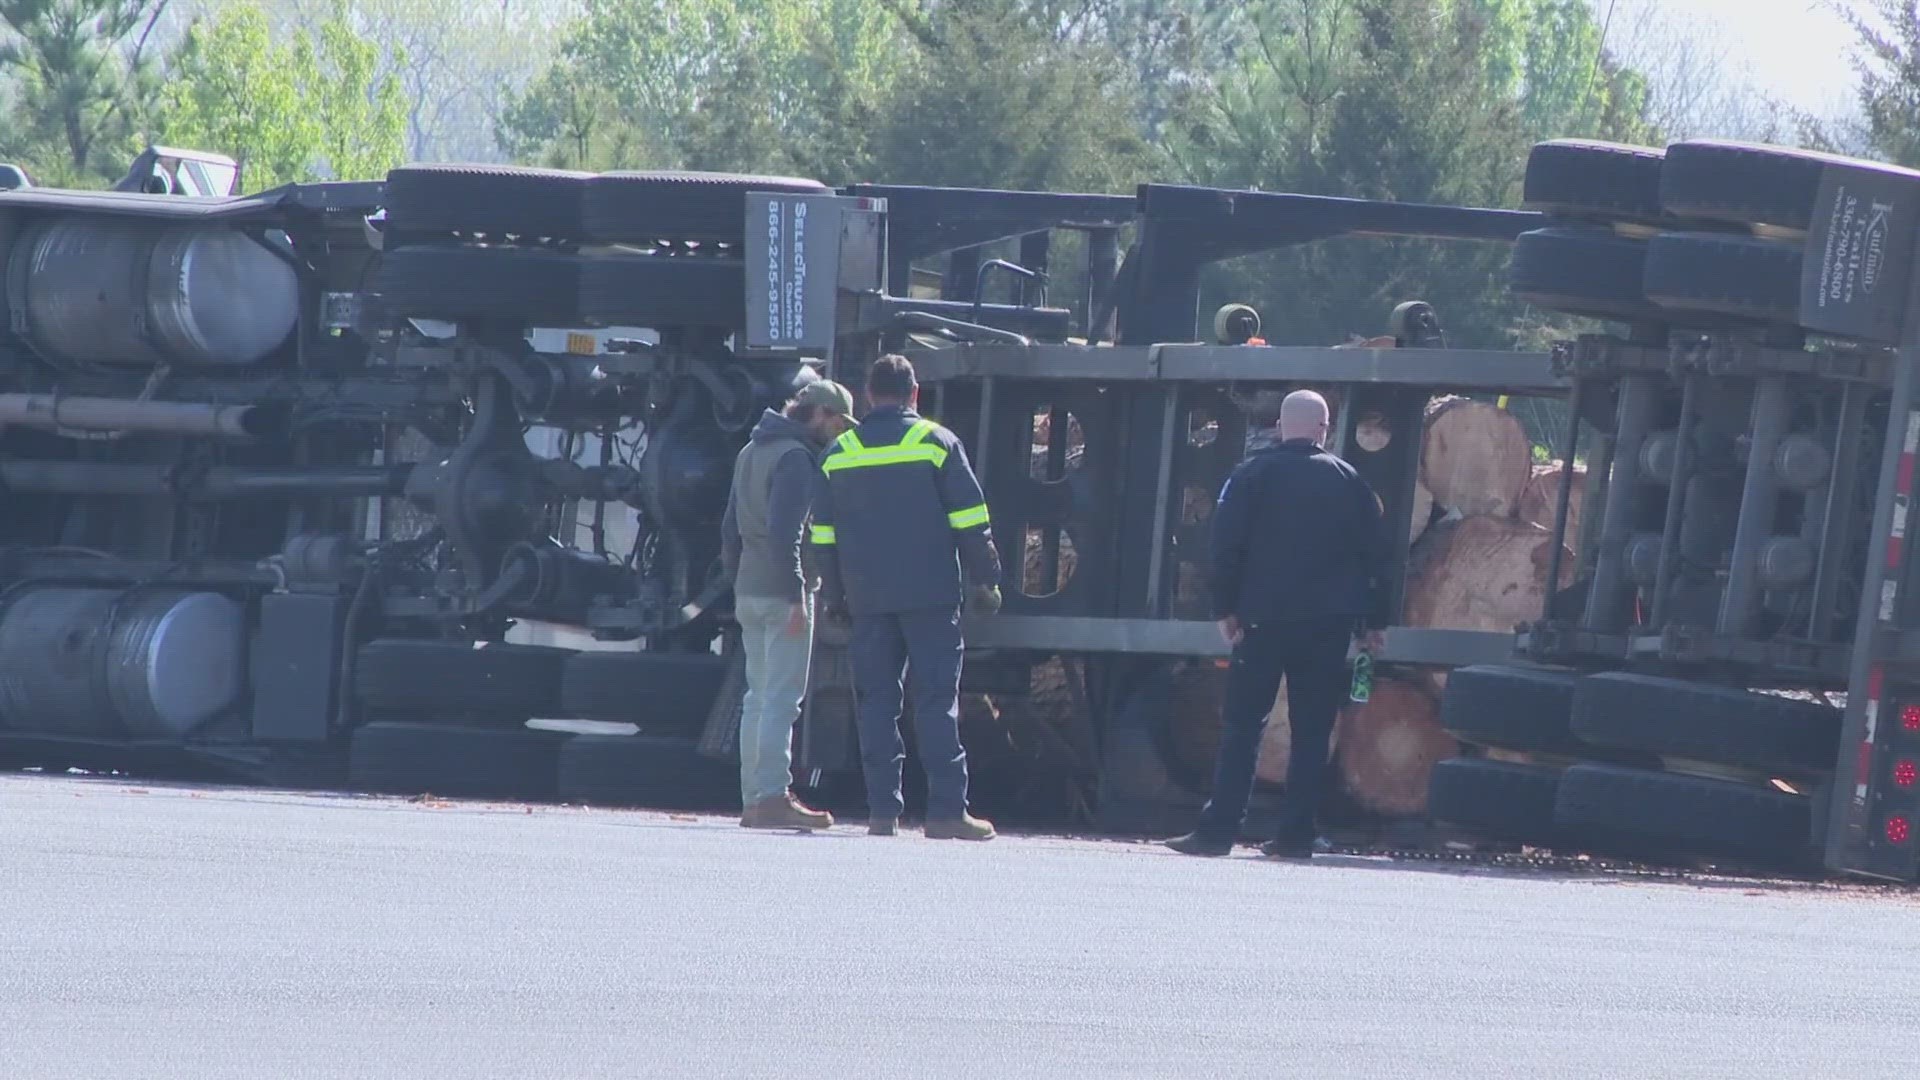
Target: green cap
[826, 394]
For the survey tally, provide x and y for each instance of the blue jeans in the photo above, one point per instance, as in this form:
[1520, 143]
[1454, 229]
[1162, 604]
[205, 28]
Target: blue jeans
[778, 637]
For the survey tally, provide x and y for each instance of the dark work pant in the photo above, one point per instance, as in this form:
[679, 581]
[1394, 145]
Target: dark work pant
[1312, 655]
[883, 648]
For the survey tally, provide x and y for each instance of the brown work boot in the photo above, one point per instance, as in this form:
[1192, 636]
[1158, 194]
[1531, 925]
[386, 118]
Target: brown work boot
[784, 812]
[882, 826]
[964, 827]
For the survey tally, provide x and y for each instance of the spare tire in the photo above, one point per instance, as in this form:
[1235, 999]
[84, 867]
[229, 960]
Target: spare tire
[641, 207]
[1511, 708]
[1725, 275]
[456, 282]
[1662, 815]
[491, 199]
[1674, 719]
[471, 763]
[664, 291]
[1583, 272]
[1586, 178]
[1495, 799]
[645, 771]
[660, 691]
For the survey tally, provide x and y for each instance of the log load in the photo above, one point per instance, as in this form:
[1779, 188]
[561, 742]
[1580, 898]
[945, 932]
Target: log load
[1387, 748]
[1542, 497]
[1480, 573]
[1476, 457]
[1480, 565]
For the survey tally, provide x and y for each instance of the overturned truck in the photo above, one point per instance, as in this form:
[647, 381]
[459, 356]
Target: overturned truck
[288, 477]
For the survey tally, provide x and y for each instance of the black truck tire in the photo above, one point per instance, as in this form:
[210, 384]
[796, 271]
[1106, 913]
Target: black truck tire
[1674, 719]
[1511, 708]
[641, 207]
[461, 762]
[452, 281]
[1727, 275]
[450, 676]
[653, 772]
[663, 290]
[1496, 799]
[1662, 815]
[1589, 179]
[1752, 185]
[659, 691]
[491, 199]
[1583, 272]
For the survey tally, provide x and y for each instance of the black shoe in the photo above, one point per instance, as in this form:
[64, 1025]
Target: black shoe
[1288, 849]
[1196, 844]
[882, 826]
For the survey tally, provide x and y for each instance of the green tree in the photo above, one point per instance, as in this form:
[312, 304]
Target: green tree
[744, 85]
[458, 63]
[1431, 101]
[296, 109]
[992, 99]
[80, 70]
[1887, 60]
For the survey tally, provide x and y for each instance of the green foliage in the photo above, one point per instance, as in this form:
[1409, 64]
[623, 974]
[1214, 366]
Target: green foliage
[993, 101]
[1428, 101]
[80, 70]
[783, 86]
[983, 93]
[1888, 63]
[307, 106]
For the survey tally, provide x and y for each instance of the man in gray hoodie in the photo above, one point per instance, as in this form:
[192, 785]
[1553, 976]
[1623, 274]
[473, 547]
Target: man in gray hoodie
[773, 590]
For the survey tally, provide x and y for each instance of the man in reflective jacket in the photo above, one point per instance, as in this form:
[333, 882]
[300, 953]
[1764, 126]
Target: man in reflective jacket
[897, 515]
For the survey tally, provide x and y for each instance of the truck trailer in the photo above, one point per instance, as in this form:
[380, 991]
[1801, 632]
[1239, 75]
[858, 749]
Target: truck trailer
[288, 476]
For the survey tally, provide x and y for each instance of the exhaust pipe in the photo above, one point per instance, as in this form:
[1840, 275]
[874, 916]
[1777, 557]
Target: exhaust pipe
[105, 415]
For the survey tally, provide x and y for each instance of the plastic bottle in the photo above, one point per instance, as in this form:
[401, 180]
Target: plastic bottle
[1362, 678]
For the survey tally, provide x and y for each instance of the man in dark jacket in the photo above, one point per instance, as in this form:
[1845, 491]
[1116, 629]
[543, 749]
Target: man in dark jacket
[897, 514]
[1298, 553]
[761, 543]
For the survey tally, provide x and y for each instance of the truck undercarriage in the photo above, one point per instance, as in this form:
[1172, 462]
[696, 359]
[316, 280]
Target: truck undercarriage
[288, 478]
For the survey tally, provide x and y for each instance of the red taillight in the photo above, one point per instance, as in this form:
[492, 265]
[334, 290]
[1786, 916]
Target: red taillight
[1898, 829]
[1905, 773]
[1910, 718]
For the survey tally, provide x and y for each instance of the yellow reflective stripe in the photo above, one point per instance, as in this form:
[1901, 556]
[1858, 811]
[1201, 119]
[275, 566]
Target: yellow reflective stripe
[917, 433]
[823, 534]
[970, 518]
[885, 455]
[850, 441]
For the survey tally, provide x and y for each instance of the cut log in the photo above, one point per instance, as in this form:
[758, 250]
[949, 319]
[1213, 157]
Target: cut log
[1476, 457]
[1388, 747]
[1275, 742]
[1033, 576]
[1385, 341]
[1542, 499]
[1480, 573]
[1422, 512]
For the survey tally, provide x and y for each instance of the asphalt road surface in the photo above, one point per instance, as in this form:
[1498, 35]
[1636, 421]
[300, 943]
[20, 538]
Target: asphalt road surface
[152, 931]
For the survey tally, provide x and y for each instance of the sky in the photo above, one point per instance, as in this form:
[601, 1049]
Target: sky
[1794, 50]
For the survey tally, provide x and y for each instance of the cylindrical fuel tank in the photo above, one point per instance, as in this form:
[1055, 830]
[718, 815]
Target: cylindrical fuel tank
[129, 293]
[118, 663]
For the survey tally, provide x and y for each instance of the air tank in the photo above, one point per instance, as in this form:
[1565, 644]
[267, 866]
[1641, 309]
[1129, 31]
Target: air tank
[122, 292]
[119, 663]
